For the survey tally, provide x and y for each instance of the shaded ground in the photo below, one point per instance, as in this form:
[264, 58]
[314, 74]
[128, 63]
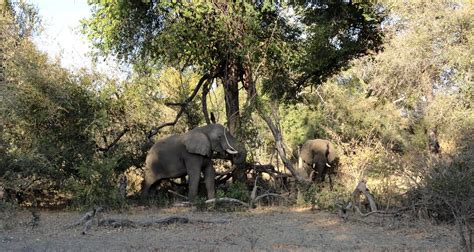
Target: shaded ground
[262, 229]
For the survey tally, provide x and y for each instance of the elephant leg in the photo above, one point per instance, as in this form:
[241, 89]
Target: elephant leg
[209, 178]
[193, 167]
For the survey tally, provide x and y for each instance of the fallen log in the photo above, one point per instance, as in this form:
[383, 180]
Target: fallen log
[88, 217]
[268, 195]
[116, 223]
[126, 223]
[121, 223]
[355, 204]
[362, 188]
[226, 200]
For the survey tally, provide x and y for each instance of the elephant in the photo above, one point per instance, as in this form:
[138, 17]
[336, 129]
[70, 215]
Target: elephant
[190, 154]
[317, 157]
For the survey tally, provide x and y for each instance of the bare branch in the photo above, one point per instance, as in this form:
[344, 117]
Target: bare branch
[119, 136]
[183, 106]
[177, 194]
[279, 144]
[174, 104]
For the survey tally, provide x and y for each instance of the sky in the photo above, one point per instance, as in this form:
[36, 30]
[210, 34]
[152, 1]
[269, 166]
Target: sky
[61, 36]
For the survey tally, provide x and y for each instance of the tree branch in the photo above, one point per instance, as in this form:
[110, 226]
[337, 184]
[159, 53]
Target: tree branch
[205, 91]
[183, 106]
[108, 147]
[279, 144]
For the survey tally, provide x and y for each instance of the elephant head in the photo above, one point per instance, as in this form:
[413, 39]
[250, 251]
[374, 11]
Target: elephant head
[190, 154]
[317, 158]
[210, 139]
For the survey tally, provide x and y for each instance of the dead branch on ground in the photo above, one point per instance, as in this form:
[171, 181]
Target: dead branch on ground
[360, 189]
[177, 194]
[92, 217]
[355, 204]
[226, 200]
[272, 195]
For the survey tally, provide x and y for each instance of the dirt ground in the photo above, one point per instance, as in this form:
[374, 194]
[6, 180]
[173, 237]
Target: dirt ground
[269, 228]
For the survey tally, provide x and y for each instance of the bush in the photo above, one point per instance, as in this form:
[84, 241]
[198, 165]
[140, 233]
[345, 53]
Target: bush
[236, 190]
[446, 194]
[96, 185]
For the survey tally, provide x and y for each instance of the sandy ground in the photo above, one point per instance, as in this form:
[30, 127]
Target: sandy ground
[263, 229]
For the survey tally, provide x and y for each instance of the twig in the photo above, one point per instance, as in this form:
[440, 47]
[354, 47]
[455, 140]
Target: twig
[270, 194]
[177, 194]
[320, 97]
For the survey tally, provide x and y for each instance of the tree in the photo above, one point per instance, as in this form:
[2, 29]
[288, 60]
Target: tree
[236, 43]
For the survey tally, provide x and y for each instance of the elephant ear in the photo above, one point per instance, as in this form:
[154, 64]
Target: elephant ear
[197, 143]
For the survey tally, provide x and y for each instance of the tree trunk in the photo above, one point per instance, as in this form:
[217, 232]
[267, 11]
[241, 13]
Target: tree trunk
[205, 91]
[231, 93]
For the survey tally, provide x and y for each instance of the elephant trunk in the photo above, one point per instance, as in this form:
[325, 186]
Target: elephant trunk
[240, 156]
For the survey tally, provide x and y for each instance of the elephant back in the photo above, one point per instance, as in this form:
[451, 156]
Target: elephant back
[165, 143]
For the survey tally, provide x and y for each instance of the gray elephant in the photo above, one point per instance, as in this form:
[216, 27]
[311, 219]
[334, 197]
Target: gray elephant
[190, 154]
[317, 158]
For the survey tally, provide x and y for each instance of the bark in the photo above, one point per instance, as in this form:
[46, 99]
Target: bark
[231, 93]
[248, 80]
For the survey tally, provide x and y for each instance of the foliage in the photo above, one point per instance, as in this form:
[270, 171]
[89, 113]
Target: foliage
[445, 194]
[236, 190]
[96, 185]
[43, 131]
[76, 133]
[378, 111]
[248, 42]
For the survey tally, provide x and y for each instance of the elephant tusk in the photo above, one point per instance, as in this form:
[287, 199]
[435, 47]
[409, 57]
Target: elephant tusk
[232, 152]
[328, 165]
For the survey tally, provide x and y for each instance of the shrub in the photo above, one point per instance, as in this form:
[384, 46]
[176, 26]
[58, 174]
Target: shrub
[446, 194]
[238, 190]
[96, 185]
